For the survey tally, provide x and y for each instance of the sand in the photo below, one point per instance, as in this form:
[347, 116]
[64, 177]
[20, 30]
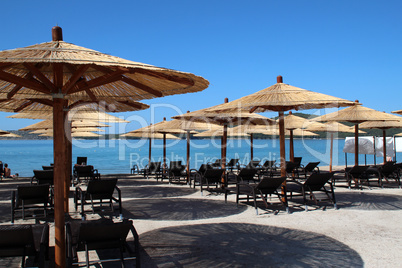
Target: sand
[179, 227]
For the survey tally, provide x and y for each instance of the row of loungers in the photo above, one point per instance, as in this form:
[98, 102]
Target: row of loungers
[32, 240]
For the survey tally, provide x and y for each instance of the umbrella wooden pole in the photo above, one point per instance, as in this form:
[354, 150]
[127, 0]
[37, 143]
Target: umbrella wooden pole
[282, 143]
[188, 156]
[251, 146]
[164, 154]
[331, 151]
[224, 151]
[356, 144]
[59, 180]
[291, 147]
[384, 144]
[69, 152]
[149, 150]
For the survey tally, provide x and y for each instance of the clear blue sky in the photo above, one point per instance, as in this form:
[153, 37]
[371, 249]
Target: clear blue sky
[348, 49]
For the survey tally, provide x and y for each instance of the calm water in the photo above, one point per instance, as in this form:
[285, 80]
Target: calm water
[118, 156]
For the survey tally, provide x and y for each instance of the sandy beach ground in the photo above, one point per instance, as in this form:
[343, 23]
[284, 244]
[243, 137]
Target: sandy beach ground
[179, 227]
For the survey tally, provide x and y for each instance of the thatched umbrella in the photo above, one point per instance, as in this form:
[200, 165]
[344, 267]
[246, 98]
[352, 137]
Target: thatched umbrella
[282, 97]
[225, 119]
[3, 132]
[357, 114]
[9, 135]
[77, 134]
[331, 127]
[48, 124]
[63, 75]
[181, 127]
[293, 122]
[150, 134]
[383, 125]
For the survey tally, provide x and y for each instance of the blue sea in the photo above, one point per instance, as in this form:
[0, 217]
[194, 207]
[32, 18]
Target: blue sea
[118, 156]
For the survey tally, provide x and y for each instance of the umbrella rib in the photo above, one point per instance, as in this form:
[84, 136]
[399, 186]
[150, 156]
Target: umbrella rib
[173, 78]
[35, 71]
[18, 87]
[99, 81]
[74, 78]
[141, 86]
[132, 104]
[32, 84]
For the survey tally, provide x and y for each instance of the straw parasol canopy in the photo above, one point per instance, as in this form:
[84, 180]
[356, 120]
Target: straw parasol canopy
[78, 134]
[73, 130]
[232, 118]
[75, 114]
[63, 75]
[383, 125]
[281, 97]
[148, 135]
[397, 112]
[3, 132]
[331, 127]
[293, 122]
[9, 135]
[357, 114]
[48, 124]
[181, 127]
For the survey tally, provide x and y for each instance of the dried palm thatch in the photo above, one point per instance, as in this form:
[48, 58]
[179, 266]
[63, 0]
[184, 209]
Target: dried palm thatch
[357, 114]
[127, 79]
[397, 112]
[283, 97]
[79, 129]
[44, 105]
[182, 126]
[232, 118]
[148, 135]
[48, 124]
[332, 127]
[77, 134]
[381, 124]
[73, 115]
[9, 135]
[293, 122]
[232, 132]
[3, 132]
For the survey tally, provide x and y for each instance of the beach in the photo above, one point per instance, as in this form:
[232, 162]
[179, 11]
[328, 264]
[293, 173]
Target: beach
[179, 227]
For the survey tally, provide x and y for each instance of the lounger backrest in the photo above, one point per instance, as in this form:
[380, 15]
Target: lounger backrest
[15, 238]
[253, 164]
[47, 167]
[297, 160]
[103, 234]
[317, 180]
[82, 160]
[175, 164]
[389, 167]
[215, 173]
[290, 166]
[84, 171]
[204, 167]
[44, 176]
[357, 171]
[269, 163]
[247, 173]
[154, 166]
[32, 194]
[101, 188]
[232, 162]
[311, 166]
[269, 185]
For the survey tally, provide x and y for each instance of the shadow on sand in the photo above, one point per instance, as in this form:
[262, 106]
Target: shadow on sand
[243, 245]
[177, 209]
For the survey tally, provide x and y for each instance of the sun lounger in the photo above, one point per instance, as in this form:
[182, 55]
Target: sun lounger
[101, 235]
[98, 192]
[22, 240]
[267, 186]
[316, 182]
